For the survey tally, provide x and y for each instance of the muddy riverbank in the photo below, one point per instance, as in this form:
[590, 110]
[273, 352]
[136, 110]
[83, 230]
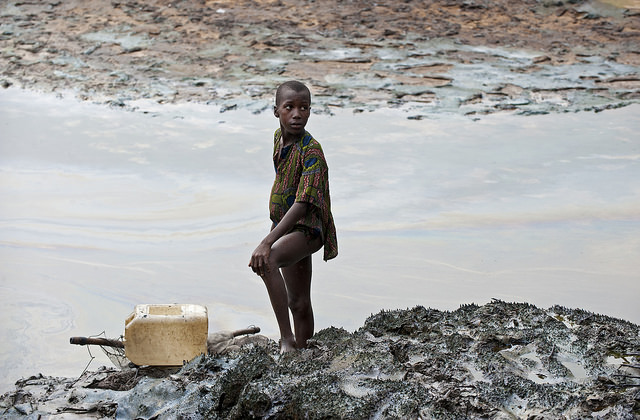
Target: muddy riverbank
[429, 57]
[497, 361]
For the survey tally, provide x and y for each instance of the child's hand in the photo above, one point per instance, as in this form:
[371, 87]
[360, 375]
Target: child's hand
[259, 261]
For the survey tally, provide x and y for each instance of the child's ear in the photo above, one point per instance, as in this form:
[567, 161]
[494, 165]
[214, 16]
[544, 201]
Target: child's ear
[275, 111]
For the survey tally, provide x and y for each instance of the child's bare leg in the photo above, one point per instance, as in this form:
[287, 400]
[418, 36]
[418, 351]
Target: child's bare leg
[286, 251]
[278, 297]
[297, 278]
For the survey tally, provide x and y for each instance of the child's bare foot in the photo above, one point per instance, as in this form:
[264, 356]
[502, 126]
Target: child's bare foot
[287, 345]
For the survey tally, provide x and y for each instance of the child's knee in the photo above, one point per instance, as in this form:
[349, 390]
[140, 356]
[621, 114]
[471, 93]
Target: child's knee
[300, 305]
[274, 262]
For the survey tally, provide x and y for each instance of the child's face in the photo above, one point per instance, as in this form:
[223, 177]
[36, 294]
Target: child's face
[293, 112]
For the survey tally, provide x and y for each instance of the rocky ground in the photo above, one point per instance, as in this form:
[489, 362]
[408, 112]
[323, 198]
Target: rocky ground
[497, 361]
[453, 56]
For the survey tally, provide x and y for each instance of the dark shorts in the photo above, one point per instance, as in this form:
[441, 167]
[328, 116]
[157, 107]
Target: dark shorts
[309, 232]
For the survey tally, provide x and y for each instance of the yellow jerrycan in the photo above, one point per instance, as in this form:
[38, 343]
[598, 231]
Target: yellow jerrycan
[165, 334]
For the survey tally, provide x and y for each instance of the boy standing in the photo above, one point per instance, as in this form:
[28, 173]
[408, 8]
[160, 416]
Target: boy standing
[300, 211]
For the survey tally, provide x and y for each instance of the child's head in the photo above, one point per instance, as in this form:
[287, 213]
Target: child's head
[293, 85]
[293, 107]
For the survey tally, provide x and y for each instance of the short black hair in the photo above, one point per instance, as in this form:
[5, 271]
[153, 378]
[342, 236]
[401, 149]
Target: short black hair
[293, 85]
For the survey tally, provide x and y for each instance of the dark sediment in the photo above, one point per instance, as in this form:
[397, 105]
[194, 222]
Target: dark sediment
[497, 361]
[443, 56]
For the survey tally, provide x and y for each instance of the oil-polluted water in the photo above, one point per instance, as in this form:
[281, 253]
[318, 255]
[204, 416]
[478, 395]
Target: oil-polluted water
[102, 209]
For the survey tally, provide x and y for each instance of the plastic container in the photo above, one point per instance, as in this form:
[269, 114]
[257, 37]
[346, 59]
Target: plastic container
[165, 335]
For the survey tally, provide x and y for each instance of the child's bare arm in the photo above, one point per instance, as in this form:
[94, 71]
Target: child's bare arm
[295, 213]
[260, 257]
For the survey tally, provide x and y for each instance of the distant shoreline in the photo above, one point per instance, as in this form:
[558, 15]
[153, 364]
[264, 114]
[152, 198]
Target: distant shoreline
[458, 57]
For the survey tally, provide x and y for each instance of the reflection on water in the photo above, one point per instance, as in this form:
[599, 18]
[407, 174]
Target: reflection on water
[102, 209]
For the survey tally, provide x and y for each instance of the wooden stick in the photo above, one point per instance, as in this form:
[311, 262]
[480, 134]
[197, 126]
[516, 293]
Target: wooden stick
[85, 341]
[249, 330]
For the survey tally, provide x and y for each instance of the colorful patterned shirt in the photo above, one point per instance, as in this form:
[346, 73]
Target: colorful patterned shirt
[302, 175]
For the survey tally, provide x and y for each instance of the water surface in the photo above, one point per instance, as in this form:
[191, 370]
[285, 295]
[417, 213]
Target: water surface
[102, 209]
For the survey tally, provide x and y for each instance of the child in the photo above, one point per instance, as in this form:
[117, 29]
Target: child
[300, 210]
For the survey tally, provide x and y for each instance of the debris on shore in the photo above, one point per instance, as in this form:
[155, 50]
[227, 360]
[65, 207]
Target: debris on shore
[496, 361]
[428, 57]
